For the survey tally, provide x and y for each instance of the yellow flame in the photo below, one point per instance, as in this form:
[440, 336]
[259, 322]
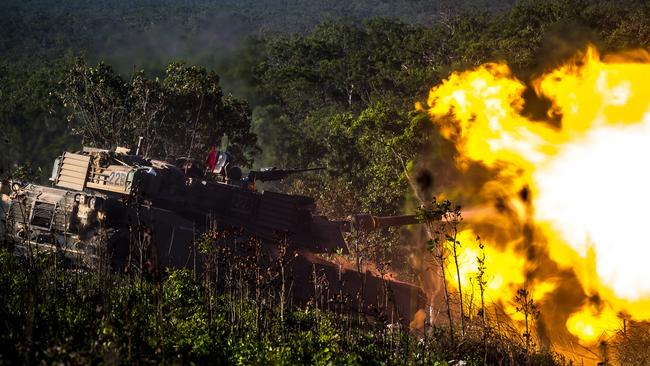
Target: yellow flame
[586, 166]
[592, 325]
[504, 273]
[497, 281]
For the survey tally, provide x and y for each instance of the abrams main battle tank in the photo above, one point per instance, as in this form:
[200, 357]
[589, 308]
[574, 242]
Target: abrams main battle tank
[105, 205]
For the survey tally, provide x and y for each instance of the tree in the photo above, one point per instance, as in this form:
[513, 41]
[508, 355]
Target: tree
[33, 128]
[441, 220]
[181, 115]
[195, 101]
[97, 99]
[482, 281]
[526, 305]
[149, 111]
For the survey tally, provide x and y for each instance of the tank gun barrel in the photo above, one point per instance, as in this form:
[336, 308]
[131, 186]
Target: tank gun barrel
[365, 222]
[271, 174]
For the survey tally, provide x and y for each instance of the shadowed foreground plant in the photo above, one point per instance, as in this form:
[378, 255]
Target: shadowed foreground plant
[527, 306]
[69, 316]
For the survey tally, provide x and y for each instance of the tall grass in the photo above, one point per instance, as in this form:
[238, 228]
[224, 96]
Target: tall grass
[237, 309]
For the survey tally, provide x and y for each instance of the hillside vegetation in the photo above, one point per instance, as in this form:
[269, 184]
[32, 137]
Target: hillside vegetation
[338, 94]
[291, 84]
[54, 314]
[150, 34]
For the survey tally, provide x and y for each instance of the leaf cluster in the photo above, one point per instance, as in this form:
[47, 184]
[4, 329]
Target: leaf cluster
[181, 115]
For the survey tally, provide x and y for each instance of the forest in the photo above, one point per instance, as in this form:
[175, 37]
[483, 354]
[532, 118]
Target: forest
[291, 84]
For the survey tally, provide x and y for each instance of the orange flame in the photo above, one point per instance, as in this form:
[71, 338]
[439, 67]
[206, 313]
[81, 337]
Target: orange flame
[586, 167]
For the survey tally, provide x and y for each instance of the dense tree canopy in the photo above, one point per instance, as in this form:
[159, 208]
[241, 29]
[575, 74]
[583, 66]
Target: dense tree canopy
[33, 129]
[181, 115]
[291, 84]
[339, 94]
[150, 34]
[342, 95]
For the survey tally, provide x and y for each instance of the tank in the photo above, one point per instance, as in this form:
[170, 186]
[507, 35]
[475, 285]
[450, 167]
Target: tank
[104, 205]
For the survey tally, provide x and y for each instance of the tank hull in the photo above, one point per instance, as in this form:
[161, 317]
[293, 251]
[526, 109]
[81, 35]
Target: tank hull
[109, 210]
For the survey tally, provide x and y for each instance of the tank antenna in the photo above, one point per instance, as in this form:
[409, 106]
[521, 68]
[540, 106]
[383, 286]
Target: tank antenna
[137, 151]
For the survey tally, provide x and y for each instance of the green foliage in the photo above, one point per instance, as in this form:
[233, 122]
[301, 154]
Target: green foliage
[98, 97]
[341, 97]
[341, 94]
[54, 314]
[187, 331]
[181, 115]
[25, 172]
[305, 87]
[435, 211]
[328, 85]
[151, 33]
[371, 152]
[33, 129]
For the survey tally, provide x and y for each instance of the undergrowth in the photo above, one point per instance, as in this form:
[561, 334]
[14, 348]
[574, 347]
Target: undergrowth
[54, 314]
